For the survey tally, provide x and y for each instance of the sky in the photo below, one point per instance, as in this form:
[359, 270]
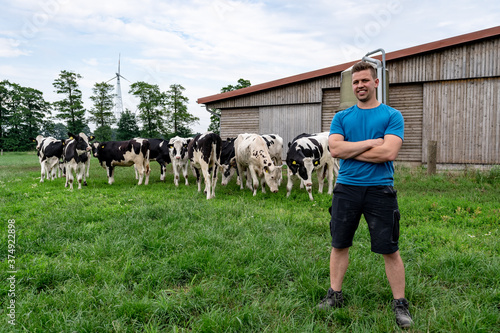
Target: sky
[207, 45]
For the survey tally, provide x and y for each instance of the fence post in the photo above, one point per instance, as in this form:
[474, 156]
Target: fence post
[431, 157]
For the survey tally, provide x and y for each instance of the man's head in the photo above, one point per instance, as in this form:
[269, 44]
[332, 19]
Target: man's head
[363, 66]
[364, 84]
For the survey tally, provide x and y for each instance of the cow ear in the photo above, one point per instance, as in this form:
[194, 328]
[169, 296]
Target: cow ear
[266, 169]
[91, 138]
[71, 136]
[294, 162]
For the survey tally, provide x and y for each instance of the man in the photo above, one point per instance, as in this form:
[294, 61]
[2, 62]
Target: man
[367, 138]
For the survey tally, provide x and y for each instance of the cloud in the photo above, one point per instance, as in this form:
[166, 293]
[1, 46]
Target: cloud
[9, 48]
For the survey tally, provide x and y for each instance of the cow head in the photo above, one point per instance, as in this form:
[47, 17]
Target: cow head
[302, 161]
[272, 175]
[81, 142]
[178, 148]
[96, 146]
[38, 140]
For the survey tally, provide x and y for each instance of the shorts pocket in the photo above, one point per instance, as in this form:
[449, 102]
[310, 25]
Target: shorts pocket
[395, 226]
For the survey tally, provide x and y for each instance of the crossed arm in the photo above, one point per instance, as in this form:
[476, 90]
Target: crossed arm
[373, 150]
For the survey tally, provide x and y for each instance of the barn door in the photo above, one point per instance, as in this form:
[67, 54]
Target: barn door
[288, 121]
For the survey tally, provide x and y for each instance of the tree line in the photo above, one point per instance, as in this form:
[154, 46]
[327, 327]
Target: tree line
[24, 113]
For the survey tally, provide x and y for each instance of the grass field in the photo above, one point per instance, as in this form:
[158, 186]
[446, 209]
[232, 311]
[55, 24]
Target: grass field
[156, 258]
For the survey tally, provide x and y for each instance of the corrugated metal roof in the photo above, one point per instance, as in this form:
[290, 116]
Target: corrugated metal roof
[424, 48]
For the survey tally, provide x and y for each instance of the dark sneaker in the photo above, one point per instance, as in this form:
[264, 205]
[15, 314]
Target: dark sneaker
[333, 299]
[400, 308]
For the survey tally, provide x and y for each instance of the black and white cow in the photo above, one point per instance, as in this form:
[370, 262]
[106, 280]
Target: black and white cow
[252, 155]
[275, 146]
[228, 161]
[49, 151]
[159, 152]
[76, 156]
[308, 153]
[204, 153]
[178, 148]
[124, 153]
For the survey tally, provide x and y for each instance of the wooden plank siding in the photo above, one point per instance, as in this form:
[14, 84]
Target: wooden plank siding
[236, 121]
[408, 99]
[301, 93]
[474, 60]
[288, 121]
[464, 118]
[330, 105]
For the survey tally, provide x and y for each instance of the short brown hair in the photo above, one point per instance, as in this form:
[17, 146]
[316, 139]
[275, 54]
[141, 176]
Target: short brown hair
[362, 66]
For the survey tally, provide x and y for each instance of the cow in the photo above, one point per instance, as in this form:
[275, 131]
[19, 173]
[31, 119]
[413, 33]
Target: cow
[307, 153]
[252, 155]
[275, 145]
[62, 165]
[159, 152]
[204, 153]
[49, 151]
[75, 157]
[228, 161]
[124, 153]
[178, 150]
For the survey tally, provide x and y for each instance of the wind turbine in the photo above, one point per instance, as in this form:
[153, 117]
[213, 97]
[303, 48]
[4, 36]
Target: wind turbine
[118, 103]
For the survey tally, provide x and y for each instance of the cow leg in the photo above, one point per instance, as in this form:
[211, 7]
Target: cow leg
[185, 173]
[329, 176]
[69, 177]
[111, 174]
[176, 172]
[163, 169]
[255, 180]
[197, 173]
[80, 174]
[249, 179]
[42, 171]
[208, 181]
[241, 170]
[289, 184]
[214, 180]
[147, 171]
[87, 167]
[139, 168]
[321, 178]
[136, 174]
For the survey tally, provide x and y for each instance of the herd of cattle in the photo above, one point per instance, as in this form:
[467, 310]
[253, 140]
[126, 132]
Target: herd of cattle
[256, 158]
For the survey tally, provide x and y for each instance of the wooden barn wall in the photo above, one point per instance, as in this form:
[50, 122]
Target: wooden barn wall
[300, 93]
[288, 121]
[408, 99]
[330, 105]
[474, 60]
[463, 116]
[236, 121]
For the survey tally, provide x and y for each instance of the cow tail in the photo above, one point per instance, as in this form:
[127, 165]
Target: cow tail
[147, 160]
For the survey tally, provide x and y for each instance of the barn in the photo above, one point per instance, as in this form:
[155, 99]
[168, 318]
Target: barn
[448, 91]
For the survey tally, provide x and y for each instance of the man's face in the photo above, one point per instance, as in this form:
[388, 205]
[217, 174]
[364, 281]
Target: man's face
[363, 85]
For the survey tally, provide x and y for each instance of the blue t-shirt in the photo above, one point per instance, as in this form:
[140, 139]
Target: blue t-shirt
[357, 124]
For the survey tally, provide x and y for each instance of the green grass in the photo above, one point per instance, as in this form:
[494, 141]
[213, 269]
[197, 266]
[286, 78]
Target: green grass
[156, 258]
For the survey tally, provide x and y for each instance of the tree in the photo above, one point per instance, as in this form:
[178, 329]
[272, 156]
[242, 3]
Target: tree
[5, 99]
[23, 112]
[177, 113]
[214, 126]
[216, 113]
[127, 126]
[102, 111]
[56, 130]
[151, 107]
[242, 83]
[103, 133]
[71, 107]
